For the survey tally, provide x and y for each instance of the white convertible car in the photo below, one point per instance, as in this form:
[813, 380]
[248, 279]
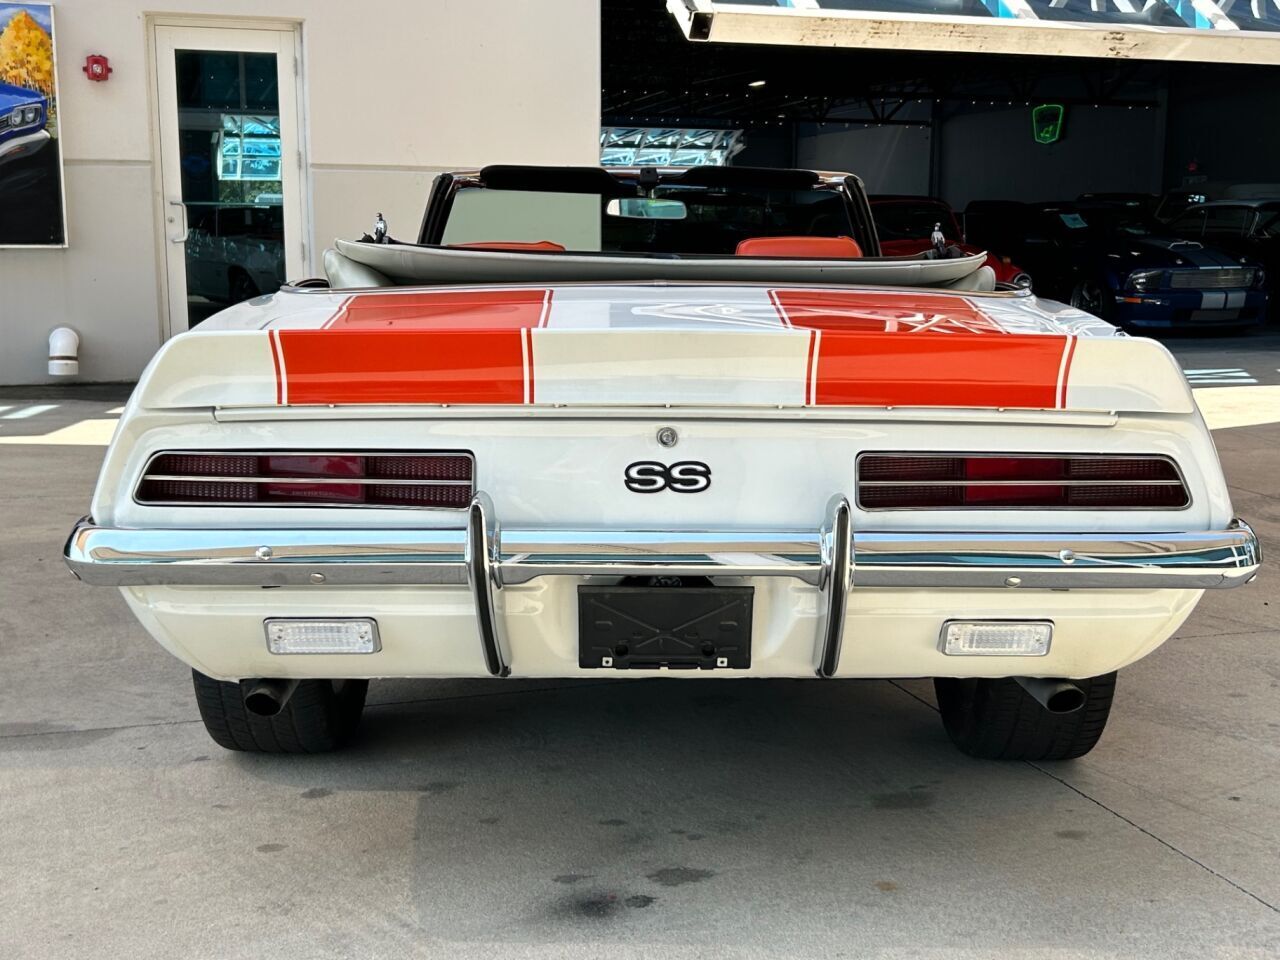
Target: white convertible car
[668, 422]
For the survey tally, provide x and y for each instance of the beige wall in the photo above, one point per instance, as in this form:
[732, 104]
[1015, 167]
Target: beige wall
[394, 91]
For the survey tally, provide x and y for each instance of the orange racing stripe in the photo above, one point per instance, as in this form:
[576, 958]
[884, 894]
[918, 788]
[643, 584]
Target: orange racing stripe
[426, 347]
[933, 350]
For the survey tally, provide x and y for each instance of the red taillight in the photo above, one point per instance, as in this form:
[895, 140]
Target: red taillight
[306, 479]
[907, 481]
[298, 468]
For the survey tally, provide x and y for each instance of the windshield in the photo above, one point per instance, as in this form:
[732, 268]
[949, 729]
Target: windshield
[912, 220]
[714, 221]
[1119, 220]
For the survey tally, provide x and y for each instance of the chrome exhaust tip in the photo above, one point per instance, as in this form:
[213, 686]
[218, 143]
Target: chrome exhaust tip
[1056, 696]
[267, 697]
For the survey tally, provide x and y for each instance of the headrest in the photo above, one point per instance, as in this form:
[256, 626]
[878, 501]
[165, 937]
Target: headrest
[811, 248]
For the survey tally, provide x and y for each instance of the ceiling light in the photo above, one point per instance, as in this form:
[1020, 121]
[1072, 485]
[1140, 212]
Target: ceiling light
[757, 83]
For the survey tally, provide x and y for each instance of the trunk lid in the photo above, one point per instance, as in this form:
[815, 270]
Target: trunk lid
[662, 345]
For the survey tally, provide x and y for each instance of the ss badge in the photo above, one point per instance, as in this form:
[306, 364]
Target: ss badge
[650, 476]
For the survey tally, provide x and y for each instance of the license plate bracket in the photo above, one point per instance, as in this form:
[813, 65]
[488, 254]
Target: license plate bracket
[664, 627]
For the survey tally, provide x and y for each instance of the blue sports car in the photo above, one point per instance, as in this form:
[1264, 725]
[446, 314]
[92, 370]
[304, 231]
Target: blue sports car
[23, 116]
[1110, 258]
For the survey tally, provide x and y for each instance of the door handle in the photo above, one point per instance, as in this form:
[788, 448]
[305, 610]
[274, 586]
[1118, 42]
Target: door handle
[177, 220]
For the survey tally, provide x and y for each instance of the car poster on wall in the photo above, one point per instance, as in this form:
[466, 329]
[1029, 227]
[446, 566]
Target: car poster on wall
[31, 192]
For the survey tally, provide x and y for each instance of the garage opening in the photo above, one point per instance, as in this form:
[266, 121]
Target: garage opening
[1030, 155]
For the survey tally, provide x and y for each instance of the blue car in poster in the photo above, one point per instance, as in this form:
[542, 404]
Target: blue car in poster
[23, 117]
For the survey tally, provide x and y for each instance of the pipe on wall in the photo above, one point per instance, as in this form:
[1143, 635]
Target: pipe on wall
[64, 352]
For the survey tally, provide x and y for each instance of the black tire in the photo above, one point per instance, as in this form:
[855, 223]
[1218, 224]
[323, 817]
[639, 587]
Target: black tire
[1095, 297]
[240, 287]
[321, 715]
[998, 720]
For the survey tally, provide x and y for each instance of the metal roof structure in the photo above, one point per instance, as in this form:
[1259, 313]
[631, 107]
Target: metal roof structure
[667, 146]
[1223, 31]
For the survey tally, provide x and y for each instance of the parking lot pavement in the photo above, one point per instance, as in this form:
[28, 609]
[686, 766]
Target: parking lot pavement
[614, 819]
[1247, 359]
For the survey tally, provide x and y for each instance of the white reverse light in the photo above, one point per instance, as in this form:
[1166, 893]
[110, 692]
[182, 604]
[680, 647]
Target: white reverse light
[996, 638]
[322, 636]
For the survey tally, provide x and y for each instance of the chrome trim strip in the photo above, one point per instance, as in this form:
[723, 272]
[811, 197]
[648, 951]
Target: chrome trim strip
[287, 557]
[482, 549]
[646, 412]
[271, 558]
[286, 452]
[1199, 560]
[837, 578]
[309, 452]
[999, 483]
[526, 554]
[1020, 293]
[312, 481]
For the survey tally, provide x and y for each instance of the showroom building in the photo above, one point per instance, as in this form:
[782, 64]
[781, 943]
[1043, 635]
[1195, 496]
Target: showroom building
[355, 107]
[206, 153]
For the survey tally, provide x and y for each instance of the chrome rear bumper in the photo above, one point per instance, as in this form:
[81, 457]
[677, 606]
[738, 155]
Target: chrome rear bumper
[832, 558]
[118, 557]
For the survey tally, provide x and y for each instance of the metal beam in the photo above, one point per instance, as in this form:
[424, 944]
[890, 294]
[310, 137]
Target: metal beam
[710, 20]
[1214, 14]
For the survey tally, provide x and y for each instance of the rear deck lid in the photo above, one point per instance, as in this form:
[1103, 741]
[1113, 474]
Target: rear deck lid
[662, 345]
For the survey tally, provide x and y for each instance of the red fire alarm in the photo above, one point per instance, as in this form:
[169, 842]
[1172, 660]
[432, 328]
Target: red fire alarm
[96, 67]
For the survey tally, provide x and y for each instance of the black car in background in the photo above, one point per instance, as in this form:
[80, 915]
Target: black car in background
[1179, 199]
[1244, 228]
[1111, 258]
[1144, 203]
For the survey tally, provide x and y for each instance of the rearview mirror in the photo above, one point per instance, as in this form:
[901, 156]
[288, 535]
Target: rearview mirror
[646, 208]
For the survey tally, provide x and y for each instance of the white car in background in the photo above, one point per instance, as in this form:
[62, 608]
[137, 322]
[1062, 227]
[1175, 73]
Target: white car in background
[697, 426]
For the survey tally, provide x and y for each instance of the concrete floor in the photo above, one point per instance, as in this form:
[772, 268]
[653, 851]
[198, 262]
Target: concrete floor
[486, 819]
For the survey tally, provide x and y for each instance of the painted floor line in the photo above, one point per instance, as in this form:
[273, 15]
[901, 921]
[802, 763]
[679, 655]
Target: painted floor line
[86, 433]
[26, 412]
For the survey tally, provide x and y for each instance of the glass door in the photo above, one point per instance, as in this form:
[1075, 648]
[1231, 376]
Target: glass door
[230, 167]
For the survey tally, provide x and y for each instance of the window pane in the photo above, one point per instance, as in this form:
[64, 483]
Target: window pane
[261, 87]
[1227, 221]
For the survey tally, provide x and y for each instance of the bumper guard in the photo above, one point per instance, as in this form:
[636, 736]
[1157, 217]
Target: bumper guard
[833, 558]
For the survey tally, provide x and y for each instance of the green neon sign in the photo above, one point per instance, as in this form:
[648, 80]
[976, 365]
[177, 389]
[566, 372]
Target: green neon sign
[1046, 122]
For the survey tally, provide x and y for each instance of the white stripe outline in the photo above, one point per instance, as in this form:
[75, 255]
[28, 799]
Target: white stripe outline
[284, 375]
[781, 311]
[545, 318]
[1060, 391]
[526, 356]
[812, 372]
[342, 309]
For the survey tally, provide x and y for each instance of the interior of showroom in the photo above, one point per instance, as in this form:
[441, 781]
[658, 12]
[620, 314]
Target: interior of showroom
[970, 128]
[954, 125]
